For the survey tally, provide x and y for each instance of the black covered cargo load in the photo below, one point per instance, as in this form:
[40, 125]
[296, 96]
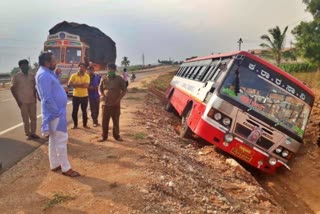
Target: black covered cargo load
[102, 47]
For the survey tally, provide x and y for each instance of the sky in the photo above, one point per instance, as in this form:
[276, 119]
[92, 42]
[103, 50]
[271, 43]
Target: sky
[161, 29]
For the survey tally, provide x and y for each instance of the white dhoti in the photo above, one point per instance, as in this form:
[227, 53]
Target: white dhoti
[58, 147]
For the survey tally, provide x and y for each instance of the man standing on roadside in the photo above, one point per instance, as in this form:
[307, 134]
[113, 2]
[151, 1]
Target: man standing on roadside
[24, 91]
[54, 117]
[94, 97]
[80, 83]
[112, 89]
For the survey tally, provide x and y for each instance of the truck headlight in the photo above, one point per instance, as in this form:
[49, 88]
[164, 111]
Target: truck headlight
[272, 161]
[285, 153]
[226, 121]
[217, 116]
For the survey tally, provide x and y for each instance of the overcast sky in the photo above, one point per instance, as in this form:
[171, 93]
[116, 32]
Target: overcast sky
[160, 29]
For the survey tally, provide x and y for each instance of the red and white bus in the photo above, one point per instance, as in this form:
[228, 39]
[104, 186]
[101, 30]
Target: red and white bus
[244, 105]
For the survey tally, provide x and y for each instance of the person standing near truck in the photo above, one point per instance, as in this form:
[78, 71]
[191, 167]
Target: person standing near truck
[54, 114]
[24, 91]
[80, 83]
[112, 89]
[94, 97]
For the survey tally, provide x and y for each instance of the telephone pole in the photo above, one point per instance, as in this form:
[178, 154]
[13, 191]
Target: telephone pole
[240, 41]
[143, 59]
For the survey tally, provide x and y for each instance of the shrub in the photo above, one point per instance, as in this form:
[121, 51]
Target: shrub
[299, 67]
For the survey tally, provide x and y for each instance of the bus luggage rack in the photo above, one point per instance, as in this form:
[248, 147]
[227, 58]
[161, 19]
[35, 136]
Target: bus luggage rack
[244, 132]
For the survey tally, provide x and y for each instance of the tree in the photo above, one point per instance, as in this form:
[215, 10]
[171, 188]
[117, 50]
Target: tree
[125, 61]
[15, 70]
[275, 44]
[307, 34]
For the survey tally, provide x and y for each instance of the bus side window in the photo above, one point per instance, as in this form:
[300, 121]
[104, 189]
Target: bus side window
[201, 73]
[209, 73]
[191, 72]
[195, 73]
[178, 71]
[185, 72]
[188, 72]
[216, 75]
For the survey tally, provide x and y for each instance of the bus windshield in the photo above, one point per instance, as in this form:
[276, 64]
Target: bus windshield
[55, 51]
[73, 55]
[264, 91]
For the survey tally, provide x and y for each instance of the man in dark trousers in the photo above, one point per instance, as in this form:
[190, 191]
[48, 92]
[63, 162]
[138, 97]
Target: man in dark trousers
[94, 97]
[112, 89]
[80, 83]
[24, 91]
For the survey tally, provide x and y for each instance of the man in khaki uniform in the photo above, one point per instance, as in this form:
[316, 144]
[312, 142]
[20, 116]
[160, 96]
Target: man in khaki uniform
[112, 89]
[24, 92]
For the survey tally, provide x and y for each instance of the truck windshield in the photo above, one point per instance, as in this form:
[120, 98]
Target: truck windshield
[262, 90]
[73, 55]
[55, 51]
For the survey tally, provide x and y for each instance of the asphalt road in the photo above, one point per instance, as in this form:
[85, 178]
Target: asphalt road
[13, 145]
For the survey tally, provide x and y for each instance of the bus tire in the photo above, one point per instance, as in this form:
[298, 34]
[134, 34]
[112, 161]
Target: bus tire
[169, 106]
[185, 130]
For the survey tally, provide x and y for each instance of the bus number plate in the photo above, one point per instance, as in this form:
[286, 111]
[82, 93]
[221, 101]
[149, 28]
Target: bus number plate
[243, 153]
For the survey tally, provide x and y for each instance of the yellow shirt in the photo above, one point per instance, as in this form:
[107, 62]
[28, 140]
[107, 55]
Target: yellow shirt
[76, 78]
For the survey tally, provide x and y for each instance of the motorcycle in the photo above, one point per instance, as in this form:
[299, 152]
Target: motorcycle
[133, 77]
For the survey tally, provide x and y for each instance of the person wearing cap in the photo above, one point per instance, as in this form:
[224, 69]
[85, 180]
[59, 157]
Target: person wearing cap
[80, 83]
[112, 89]
[23, 90]
[94, 97]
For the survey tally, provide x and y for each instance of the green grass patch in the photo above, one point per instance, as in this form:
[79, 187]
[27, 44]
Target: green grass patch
[139, 135]
[163, 81]
[58, 198]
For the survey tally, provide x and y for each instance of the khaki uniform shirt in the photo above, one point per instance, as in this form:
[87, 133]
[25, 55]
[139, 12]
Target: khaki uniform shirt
[111, 88]
[23, 87]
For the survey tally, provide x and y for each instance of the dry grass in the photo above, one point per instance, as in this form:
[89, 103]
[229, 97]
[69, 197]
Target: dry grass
[57, 198]
[163, 81]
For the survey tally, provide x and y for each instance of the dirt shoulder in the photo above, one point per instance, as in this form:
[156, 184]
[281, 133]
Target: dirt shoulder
[153, 170]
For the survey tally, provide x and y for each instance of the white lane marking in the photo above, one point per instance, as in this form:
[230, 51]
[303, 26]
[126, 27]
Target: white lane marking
[14, 127]
[21, 124]
[7, 100]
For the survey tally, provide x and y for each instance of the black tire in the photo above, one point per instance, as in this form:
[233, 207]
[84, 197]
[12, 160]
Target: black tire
[169, 107]
[185, 130]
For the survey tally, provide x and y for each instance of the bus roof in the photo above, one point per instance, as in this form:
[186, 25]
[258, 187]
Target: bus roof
[260, 60]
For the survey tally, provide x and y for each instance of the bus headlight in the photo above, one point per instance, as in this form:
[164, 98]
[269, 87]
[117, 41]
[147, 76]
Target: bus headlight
[285, 153]
[279, 150]
[272, 161]
[217, 116]
[226, 121]
[228, 137]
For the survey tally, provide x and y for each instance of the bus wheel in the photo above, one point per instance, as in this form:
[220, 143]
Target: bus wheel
[185, 130]
[169, 107]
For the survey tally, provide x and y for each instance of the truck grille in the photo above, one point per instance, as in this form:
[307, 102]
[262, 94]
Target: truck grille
[244, 132]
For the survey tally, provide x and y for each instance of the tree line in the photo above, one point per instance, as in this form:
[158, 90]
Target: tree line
[307, 45]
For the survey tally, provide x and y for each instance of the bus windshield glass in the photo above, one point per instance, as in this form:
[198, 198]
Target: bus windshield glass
[55, 51]
[260, 89]
[73, 55]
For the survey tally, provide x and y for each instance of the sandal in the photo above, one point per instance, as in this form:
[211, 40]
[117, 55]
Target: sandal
[56, 169]
[71, 173]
